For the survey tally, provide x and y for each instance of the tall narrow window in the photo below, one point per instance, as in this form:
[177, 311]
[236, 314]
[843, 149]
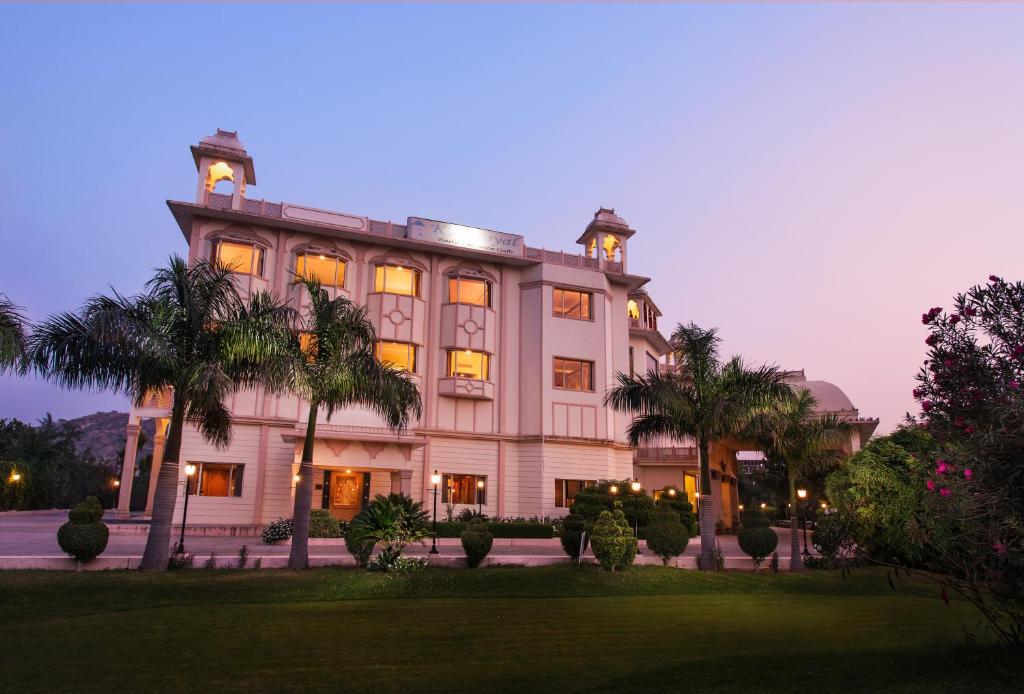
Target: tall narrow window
[241, 258]
[574, 374]
[465, 363]
[469, 290]
[631, 369]
[326, 269]
[395, 279]
[400, 354]
[569, 303]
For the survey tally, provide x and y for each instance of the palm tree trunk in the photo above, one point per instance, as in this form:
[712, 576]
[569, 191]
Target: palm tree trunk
[706, 510]
[796, 562]
[158, 543]
[298, 558]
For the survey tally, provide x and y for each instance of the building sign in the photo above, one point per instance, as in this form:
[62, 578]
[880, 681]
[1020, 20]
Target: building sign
[464, 237]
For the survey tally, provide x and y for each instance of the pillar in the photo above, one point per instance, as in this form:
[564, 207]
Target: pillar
[159, 440]
[131, 450]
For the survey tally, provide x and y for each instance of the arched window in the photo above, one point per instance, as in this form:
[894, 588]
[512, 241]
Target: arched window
[469, 290]
[633, 310]
[240, 257]
[396, 279]
[611, 247]
[219, 171]
[327, 269]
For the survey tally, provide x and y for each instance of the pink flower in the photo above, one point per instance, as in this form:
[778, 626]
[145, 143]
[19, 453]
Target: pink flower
[1014, 384]
[931, 340]
[926, 405]
[958, 423]
[926, 318]
[929, 485]
[968, 473]
[970, 311]
[945, 491]
[968, 430]
[948, 363]
[954, 319]
[941, 467]
[993, 278]
[917, 393]
[1000, 548]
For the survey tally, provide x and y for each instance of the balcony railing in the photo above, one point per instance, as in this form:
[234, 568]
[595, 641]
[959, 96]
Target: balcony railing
[666, 454]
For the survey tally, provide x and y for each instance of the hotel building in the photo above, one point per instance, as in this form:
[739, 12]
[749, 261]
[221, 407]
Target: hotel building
[511, 346]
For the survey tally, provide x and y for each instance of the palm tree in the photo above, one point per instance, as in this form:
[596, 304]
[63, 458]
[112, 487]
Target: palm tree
[189, 333]
[13, 334]
[332, 365]
[806, 441]
[703, 398]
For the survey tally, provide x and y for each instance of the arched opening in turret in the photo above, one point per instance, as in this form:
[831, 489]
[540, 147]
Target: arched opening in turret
[220, 178]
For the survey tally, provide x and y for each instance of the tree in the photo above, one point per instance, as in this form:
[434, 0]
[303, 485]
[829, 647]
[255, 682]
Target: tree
[702, 398]
[806, 441]
[331, 365]
[189, 333]
[13, 334]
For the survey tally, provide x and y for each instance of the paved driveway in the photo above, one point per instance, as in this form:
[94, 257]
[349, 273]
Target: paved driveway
[35, 534]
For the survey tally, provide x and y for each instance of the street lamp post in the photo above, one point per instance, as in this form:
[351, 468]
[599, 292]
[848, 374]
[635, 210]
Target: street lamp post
[190, 470]
[635, 486]
[480, 497]
[435, 480]
[801, 509]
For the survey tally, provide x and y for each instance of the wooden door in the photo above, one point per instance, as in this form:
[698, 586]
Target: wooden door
[346, 494]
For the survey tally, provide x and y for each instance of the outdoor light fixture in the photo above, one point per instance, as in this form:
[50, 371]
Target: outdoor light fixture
[802, 493]
[15, 477]
[480, 497]
[613, 489]
[672, 492]
[635, 485]
[296, 478]
[824, 505]
[763, 506]
[116, 483]
[435, 480]
[741, 507]
[190, 470]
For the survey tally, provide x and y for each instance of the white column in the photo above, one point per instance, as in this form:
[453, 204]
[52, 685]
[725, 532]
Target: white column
[131, 449]
[159, 441]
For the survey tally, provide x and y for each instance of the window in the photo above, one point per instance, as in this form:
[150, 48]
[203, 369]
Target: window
[216, 479]
[633, 310]
[652, 363]
[400, 354]
[463, 489]
[690, 485]
[574, 374]
[395, 279]
[569, 303]
[242, 258]
[631, 369]
[566, 491]
[469, 290]
[465, 363]
[326, 269]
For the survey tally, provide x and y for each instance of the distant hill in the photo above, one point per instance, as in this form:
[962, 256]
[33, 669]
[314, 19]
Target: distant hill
[103, 433]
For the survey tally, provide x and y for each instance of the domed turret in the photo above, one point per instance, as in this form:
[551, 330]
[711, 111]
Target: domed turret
[222, 157]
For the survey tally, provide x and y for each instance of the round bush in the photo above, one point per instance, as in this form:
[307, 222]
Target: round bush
[476, 542]
[666, 536]
[278, 530]
[572, 536]
[757, 542]
[88, 511]
[754, 519]
[83, 541]
[613, 541]
[323, 524]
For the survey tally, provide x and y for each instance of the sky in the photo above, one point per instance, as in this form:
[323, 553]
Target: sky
[807, 178]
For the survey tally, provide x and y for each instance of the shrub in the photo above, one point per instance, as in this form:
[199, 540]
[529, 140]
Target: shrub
[572, 537]
[84, 537]
[756, 538]
[323, 524]
[468, 514]
[666, 536]
[393, 521]
[613, 541]
[211, 562]
[679, 503]
[359, 546]
[278, 530]
[830, 535]
[243, 556]
[476, 542]
[591, 501]
[178, 560]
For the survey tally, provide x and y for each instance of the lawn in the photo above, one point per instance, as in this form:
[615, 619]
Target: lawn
[500, 629]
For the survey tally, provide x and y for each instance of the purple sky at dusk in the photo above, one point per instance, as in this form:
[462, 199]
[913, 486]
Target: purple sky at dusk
[808, 178]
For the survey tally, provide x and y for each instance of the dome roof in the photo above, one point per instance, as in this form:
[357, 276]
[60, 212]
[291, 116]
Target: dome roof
[830, 397]
[608, 216]
[224, 139]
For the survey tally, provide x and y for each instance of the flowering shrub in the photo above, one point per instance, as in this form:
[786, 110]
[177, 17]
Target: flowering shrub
[278, 530]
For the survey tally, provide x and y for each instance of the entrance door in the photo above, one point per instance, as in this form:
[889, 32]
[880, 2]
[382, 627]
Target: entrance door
[346, 494]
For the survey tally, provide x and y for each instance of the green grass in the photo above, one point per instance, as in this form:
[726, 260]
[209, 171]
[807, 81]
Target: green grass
[502, 629]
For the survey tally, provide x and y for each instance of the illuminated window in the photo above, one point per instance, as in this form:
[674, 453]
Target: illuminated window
[574, 374]
[690, 485]
[400, 354]
[326, 269]
[468, 290]
[633, 310]
[611, 247]
[569, 303]
[216, 479]
[466, 363]
[566, 491]
[218, 172]
[395, 279]
[463, 489]
[241, 258]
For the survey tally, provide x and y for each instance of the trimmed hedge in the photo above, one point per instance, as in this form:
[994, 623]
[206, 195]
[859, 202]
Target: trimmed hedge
[521, 529]
[476, 542]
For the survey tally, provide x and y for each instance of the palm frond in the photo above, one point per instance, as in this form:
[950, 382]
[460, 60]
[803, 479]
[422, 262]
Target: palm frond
[14, 328]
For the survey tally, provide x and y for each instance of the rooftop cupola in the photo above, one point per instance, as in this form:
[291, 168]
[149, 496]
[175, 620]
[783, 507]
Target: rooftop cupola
[224, 170]
[605, 239]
